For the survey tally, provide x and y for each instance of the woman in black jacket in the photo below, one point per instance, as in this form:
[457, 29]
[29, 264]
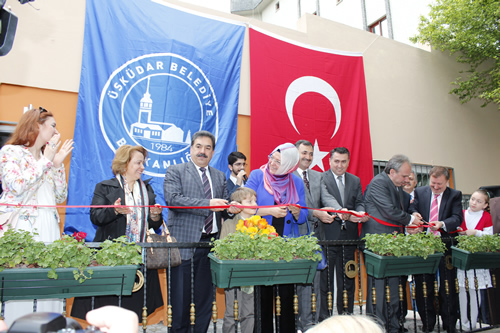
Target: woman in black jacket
[125, 190]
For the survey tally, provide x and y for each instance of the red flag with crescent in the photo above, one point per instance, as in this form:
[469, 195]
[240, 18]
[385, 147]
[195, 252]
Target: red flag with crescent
[304, 92]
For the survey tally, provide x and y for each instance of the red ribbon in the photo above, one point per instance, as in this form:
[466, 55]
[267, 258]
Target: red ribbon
[220, 207]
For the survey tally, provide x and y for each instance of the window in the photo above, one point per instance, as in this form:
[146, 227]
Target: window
[421, 172]
[380, 27]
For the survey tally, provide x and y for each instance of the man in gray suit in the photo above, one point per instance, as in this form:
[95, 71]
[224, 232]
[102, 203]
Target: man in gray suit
[194, 184]
[312, 186]
[384, 199]
[346, 189]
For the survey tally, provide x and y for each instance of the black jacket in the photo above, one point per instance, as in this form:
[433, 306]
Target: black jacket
[109, 225]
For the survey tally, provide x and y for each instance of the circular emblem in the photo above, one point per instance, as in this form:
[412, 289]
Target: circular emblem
[139, 283]
[351, 269]
[158, 101]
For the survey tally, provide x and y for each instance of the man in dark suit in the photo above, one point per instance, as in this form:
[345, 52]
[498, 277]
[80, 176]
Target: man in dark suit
[384, 199]
[236, 163]
[442, 207]
[347, 192]
[312, 186]
[194, 184]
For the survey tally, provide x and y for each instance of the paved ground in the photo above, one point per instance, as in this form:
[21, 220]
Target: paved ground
[409, 325]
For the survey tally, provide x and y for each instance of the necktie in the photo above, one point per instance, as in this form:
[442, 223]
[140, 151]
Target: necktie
[341, 189]
[306, 181]
[434, 216]
[208, 195]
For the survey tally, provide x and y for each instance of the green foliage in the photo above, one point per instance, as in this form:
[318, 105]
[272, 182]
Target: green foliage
[64, 253]
[118, 251]
[420, 245]
[486, 243]
[469, 29]
[18, 249]
[241, 245]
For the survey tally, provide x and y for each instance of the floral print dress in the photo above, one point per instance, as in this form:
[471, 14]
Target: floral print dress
[22, 176]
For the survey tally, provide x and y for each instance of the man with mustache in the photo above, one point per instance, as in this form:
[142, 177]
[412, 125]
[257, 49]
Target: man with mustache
[193, 184]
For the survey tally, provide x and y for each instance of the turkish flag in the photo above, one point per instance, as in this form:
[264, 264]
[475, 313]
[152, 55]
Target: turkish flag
[301, 92]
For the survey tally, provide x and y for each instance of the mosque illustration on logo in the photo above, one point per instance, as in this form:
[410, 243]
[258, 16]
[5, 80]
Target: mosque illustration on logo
[147, 129]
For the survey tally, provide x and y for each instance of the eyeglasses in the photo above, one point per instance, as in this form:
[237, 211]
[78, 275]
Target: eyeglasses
[272, 160]
[42, 110]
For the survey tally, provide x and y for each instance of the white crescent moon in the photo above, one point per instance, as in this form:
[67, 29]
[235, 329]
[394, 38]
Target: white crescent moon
[312, 84]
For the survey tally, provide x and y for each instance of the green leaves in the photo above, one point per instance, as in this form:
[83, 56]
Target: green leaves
[19, 249]
[240, 245]
[469, 29]
[119, 251]
[486, 243]
[420, 245]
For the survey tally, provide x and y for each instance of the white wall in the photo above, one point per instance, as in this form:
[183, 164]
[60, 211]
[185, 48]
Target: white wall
[47, 50]
[347, 12]
[286, 16]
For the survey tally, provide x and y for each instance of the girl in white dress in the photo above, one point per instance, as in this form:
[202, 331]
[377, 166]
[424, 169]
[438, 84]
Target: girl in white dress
[477, 222]
[32, 173]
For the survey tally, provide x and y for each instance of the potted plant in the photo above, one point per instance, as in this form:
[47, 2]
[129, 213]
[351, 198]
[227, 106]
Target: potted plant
[399, 254]
[65, 268]
[476, 252]
[256, 255]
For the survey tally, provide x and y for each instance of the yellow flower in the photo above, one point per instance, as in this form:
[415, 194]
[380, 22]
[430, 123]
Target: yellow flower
[253, 230]
[254, 218]
[240, 225]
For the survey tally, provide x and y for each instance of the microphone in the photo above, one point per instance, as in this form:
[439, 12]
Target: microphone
[245, 178]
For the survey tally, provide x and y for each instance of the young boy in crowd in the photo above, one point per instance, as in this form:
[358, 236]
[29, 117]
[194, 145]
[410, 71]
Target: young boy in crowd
[246, 197]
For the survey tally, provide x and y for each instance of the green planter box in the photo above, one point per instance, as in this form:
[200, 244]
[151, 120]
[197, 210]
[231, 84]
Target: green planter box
[467, 260]
[236, 273]
[33, 283]
[387, 266]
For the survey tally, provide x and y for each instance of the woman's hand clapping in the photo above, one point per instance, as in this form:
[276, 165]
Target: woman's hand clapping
[66, 148]
[51, 147]
[121, 209]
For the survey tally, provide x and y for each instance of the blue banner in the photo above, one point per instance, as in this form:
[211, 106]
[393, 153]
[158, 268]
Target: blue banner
[152, 75]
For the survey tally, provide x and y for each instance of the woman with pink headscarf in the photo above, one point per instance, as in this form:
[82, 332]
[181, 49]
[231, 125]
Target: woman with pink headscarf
[276, 185]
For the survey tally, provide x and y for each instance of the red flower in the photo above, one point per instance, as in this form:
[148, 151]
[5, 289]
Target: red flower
[80, 236]
[272, 235]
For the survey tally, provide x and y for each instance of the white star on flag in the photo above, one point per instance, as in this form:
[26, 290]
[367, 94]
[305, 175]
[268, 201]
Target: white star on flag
[318, 157]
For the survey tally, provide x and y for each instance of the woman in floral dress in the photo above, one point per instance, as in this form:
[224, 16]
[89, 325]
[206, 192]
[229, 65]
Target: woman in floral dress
[32, 172]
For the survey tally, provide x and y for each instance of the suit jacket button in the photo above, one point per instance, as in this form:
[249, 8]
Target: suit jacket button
[288, 221]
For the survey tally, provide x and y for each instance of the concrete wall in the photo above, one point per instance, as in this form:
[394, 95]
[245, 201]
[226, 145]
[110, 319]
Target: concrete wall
[410, 108]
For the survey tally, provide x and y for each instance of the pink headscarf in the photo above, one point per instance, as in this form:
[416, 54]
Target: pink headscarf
[281, 184]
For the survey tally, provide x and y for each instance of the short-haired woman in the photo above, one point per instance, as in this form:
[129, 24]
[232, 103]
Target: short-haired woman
[126, 189]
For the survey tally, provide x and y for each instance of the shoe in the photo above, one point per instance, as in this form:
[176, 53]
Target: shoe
[424, 329]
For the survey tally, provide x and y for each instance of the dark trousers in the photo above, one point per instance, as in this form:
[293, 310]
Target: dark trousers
[447, 303]
[338, 256]
[287, 319]
[202, 293]
[390, 313]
